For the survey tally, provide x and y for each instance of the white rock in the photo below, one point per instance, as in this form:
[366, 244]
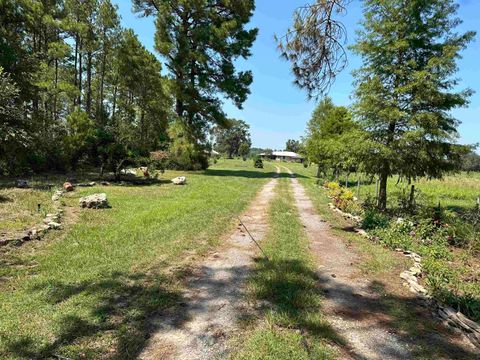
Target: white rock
[181, 180]
[95, 201]
[54, 225]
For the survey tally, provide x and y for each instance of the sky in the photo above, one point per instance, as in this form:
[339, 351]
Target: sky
[276, 110]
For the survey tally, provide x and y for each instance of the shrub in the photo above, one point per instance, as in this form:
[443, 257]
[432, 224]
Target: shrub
[393, 237]
[373, 219]
[159, 160]
[258, 162]
[331, 185]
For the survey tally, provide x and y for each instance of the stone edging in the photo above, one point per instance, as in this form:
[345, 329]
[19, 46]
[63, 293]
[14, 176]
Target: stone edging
[51, 221]
[449, 316]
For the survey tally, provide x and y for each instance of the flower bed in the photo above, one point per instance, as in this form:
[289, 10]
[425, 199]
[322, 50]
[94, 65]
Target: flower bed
[427, 243]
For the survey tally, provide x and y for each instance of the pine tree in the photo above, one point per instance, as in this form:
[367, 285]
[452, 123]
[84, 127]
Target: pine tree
[200, 41]
[405, 87]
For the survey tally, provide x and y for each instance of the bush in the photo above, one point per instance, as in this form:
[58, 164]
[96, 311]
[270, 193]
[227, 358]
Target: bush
[394, 237]
[331, 185]
[258, 162]
[373, 219]
[343, 198]
[158, 160]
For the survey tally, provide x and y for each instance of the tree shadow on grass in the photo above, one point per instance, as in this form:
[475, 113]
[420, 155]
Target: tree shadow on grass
[294, 292]
[4, 199]
[246, 174]
[123, 307]
[290, 290]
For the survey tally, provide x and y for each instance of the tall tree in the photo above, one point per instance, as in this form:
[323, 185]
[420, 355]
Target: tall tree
[405, 87]
[200, 41]
[234, 138]
[327, 131]
[292, 145]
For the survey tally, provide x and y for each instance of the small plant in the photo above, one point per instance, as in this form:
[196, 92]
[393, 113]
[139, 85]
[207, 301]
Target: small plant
[258, 162]
[331, 185]
[374, 219]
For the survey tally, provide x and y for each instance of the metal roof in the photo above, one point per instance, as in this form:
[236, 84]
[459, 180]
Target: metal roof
[290, 154]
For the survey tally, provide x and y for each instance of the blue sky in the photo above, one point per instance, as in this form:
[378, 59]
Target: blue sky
[276, 110]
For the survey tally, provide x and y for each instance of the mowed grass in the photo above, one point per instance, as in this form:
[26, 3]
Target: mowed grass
[91, 290]
[290, 324]
[19, 208]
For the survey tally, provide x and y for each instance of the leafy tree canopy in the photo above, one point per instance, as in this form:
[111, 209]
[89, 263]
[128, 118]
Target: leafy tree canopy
[233, 140]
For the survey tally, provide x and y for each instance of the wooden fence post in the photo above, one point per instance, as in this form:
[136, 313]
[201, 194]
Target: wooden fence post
[358, 186]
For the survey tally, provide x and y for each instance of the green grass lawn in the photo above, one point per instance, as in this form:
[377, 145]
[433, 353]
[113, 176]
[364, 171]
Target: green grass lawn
[19, 208]
[89, 290]
[290, 325]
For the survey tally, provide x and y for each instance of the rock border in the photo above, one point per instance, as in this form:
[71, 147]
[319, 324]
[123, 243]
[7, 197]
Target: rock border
[52, 221]
[451, 318]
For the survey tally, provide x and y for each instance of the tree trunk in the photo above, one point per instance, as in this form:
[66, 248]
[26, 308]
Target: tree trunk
[89, 83]
[75, 73]
[55, 97]
[382, 190]
[319, 171]
[358, 186]
[114, 107]
[80, 75]
[179, 108]
[142, 128]
[102, 82]
[411, 200]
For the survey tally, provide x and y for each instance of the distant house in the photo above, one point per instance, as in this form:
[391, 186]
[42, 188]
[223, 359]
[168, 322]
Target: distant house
[283, 156]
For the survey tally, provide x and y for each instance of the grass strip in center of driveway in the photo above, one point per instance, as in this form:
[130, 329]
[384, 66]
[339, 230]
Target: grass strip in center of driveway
[289, 324]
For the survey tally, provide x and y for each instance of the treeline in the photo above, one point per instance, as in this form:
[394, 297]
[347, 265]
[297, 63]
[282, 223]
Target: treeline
[78, 89]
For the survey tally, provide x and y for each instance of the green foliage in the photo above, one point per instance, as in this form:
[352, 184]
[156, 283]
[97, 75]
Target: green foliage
[234, 139]
[244, 150]
[343, 198]
[471, 161]
[373, 219]
[293, 145]
[79, 137]
[334, 140]
[13, 124]
[406, 87]
[183, 153]
[200, 41]
[258, 162]
[76, 74]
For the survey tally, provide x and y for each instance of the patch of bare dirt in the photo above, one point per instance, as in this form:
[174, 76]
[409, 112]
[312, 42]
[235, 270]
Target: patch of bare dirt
[214, 297]
[360, 310]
